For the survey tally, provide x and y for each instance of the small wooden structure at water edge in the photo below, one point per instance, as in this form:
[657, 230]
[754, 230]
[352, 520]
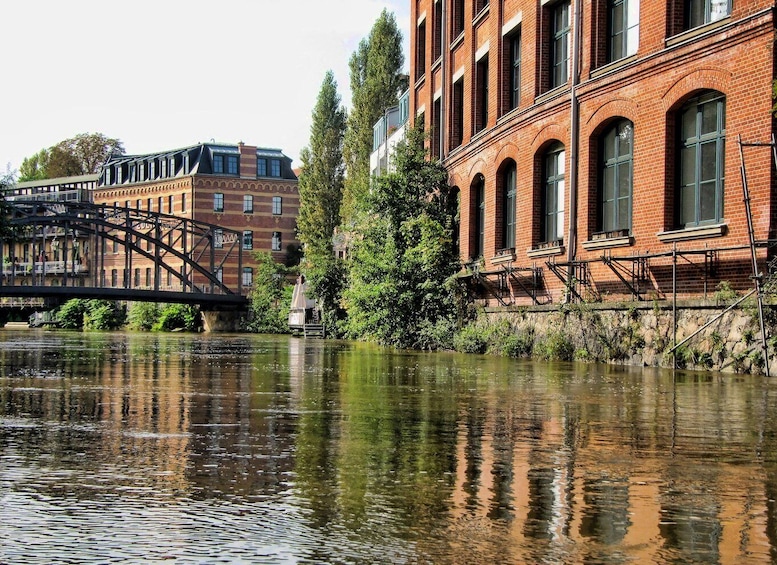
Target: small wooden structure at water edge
[304, 316]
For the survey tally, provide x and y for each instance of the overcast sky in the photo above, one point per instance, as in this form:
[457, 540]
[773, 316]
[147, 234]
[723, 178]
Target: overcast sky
[164, 74]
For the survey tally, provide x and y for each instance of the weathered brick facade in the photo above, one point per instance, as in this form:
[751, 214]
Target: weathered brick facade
[645, 89]
[218, 184]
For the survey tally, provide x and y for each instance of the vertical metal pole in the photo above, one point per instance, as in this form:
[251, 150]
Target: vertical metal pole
[674, 304]
[754, 256]
[64, 256]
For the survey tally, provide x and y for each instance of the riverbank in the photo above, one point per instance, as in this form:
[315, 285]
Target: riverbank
[643, 333]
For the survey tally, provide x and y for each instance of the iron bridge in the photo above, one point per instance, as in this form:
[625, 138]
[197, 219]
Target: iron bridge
[70, 246]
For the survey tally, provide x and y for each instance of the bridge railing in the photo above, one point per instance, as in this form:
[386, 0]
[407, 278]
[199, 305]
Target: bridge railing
[41, 267]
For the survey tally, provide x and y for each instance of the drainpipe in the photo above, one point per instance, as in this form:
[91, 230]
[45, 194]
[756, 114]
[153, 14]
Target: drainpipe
[443, 66]
[575, 136]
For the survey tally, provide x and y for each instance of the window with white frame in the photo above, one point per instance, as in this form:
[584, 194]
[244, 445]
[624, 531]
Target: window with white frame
[552, 226]
[702, 126]
[560, 47]
[623, 29]
[248, 239]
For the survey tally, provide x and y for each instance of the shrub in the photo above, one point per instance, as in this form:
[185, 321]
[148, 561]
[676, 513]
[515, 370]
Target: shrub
[519, 344]
[104, 315]
[78, 314]
[437, 336]
[471, 339]
[555, 346]
[179, 317]
[142, 316]
[70, 315]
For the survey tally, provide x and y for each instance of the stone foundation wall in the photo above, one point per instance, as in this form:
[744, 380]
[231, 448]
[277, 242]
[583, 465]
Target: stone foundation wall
[643, 333]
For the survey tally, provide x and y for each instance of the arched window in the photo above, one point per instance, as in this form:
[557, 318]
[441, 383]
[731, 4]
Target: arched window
[552, 228]
[616, 174]
[508, 206]
[478, 217]
[702, 127]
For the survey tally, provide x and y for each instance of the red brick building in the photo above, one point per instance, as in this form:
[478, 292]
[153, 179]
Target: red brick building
[250, 190]
[596, 143]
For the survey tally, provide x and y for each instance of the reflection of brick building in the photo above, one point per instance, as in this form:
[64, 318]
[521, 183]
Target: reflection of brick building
[598, 144]
[238, 187]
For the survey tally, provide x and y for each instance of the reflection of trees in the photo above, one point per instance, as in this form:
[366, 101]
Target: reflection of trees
[454, 456]
[316, 447]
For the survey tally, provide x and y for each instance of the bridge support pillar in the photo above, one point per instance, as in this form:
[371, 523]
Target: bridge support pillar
[221, 321]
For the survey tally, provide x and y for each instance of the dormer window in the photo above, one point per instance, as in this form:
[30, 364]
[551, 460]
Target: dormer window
[231, 164]
[225, 165]
[261, 167]
[218, 164]
[275, 167]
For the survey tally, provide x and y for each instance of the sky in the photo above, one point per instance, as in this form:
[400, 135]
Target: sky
[165, 74]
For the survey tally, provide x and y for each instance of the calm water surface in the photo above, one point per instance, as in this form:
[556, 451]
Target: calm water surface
[129, 448]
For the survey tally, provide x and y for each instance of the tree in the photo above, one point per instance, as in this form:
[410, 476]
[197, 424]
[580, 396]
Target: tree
[376, 83]
[401, 288]
[270, 296]
[321, 193]
[34, 167]
[83, 154]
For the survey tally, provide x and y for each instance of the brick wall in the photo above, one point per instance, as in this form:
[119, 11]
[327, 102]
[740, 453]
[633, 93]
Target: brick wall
[733, 56]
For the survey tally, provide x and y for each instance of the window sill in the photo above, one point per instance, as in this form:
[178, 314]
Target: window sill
[696, 232]
[551, 94]
[503, 256]
[458, 40]
[481, 15]
[546, 250]
[613, 66]
[696, 32]
[606, 242]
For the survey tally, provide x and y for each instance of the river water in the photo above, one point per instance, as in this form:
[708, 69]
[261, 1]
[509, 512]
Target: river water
[141, 448]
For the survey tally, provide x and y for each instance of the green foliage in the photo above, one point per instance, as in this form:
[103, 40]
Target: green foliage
[34, 167]
[471, 339]
[403, 258]
[178, 317]
[321, 192]
[555, 346]
[270, 296]
[376, 81]
[78, 314]
[80, 155]
[724, 293]
[70, 315]
[497, 339]
[104, 315]
[142, 316]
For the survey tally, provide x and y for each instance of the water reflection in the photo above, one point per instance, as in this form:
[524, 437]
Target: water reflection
[277, 449]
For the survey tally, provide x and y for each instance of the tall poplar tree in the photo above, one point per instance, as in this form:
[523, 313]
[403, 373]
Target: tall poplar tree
[321, 193]
[376, 83]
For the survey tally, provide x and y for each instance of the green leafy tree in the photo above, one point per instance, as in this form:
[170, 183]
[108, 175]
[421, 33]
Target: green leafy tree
[80, 155]
[142, 316]
[178, 317]
[321, 193]
[376, 83]
[401, 289]
[34, 167]
[270, 296]
[77, 313]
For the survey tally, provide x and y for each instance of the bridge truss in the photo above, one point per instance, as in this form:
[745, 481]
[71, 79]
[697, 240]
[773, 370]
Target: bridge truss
[67, 249]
